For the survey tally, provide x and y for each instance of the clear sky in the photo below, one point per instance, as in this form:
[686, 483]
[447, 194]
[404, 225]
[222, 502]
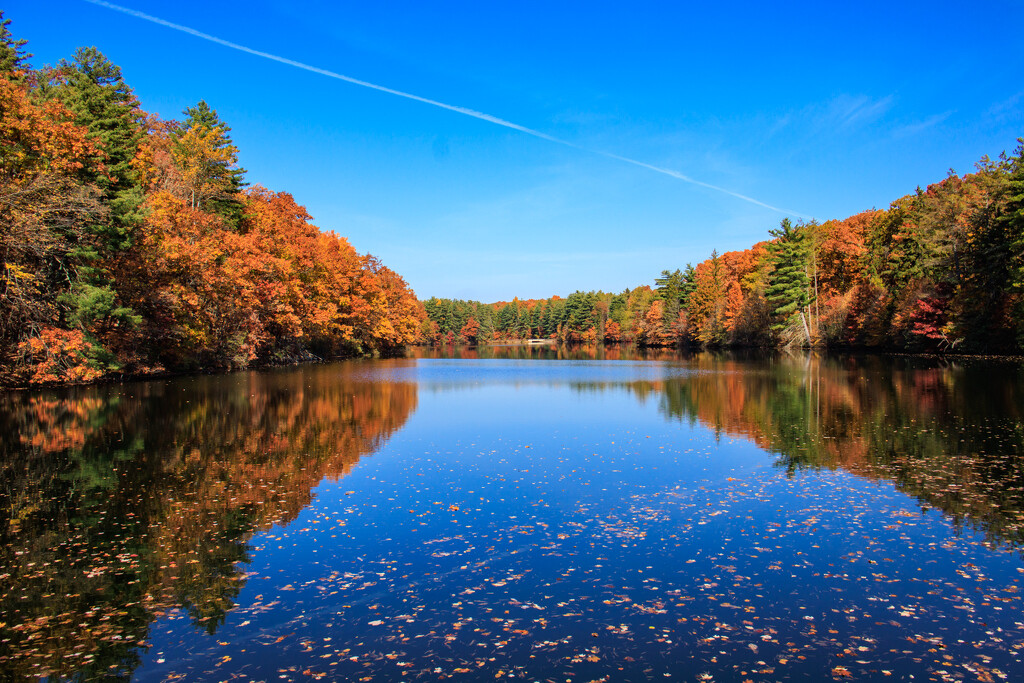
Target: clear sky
[815, 109]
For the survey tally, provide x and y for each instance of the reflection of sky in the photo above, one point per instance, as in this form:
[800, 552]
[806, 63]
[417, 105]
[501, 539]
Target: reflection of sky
[522, 503]
[434, 374]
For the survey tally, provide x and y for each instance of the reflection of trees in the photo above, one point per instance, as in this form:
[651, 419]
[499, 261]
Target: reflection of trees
[950, 435]
[118, 504]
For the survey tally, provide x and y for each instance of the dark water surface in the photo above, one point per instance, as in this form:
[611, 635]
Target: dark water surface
[529, 514]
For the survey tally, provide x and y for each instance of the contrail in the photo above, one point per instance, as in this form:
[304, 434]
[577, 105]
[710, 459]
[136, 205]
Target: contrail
[425, 100]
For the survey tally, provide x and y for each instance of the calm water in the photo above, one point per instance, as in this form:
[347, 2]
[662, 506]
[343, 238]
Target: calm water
[528, 514]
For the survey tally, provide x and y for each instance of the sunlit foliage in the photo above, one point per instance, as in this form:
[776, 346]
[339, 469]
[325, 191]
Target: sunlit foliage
[130, 245]
[940, 270]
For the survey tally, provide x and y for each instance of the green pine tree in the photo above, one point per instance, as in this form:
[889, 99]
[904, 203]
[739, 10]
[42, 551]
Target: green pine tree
[486, 321]
[1012, 224]
[789, 287]
[93, 89]
[687, 286]
[226, 174]
[547, 327]
[580, 308]
[13, 59]
[507, 319]
[670, 290]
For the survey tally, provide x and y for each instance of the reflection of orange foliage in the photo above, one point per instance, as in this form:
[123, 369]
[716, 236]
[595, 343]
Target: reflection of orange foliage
[208, 462]
[593, 351]
[909, 426]
[52, 425]
[728, 397]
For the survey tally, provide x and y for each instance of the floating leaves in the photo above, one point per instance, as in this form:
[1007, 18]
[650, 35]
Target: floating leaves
[488, 540]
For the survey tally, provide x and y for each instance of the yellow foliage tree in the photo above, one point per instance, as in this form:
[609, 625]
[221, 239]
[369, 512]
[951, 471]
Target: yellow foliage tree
[204, 161]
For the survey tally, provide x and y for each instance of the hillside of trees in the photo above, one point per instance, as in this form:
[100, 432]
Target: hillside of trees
[132, 245]
[940, 270]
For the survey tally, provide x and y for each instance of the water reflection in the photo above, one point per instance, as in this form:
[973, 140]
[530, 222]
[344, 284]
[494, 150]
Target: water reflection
[120, 503]
[949, 434]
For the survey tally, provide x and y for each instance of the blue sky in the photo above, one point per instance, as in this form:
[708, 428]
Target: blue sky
[820, 109]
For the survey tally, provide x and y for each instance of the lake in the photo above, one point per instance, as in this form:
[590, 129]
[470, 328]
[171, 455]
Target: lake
[525, 513]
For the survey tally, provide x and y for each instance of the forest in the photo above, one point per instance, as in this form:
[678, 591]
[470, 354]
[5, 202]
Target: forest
[940, 270]
[133, 245]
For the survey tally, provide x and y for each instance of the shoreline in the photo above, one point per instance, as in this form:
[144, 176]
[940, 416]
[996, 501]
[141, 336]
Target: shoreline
[210, 372]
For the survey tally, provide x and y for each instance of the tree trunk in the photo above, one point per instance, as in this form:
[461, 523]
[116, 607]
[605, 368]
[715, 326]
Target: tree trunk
[807, 330]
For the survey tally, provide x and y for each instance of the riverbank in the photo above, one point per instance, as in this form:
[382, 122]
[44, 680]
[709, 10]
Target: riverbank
[308, 358]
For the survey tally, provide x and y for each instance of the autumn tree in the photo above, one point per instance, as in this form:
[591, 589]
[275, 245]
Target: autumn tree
[199, 159]
[402, 312]
[653, 330]
[707, 308]
[208, 160]
[747, 314]
[470, 331]
[44, 209]
[154, 163]
[638, 302]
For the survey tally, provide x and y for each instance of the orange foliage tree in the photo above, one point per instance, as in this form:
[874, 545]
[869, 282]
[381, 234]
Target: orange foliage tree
[43, 211]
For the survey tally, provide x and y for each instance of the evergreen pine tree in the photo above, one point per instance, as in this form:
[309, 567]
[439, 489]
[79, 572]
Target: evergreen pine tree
[12, 58]
[507, 319]
[220, 165]
[789, 287]
[1012, 224]
[546, 325]
[95, 92]
[486, 322]
[670, 290]
[686, 287]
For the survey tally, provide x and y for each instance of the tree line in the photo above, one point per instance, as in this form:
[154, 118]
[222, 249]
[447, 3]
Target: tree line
[940, 270]
[131, 245]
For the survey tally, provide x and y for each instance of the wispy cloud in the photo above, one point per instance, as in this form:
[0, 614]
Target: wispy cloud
[425, 100]
[853, 111]
[776, 127]
[921, 126]
[1007, 109]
